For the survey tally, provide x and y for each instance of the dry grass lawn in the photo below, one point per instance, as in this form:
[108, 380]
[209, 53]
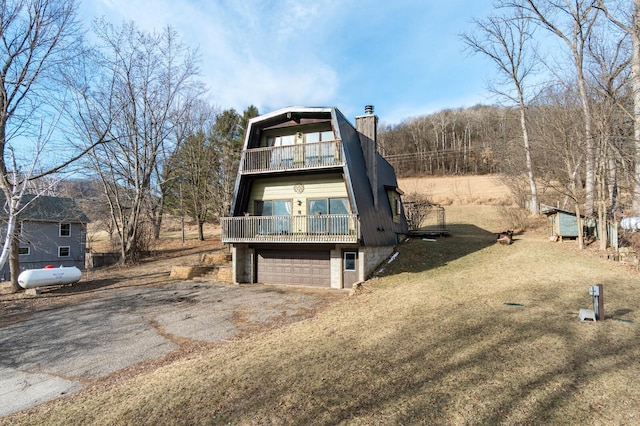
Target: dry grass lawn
[435, 338]
[448, 190]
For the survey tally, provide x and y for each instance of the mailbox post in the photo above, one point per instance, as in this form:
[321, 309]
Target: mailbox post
[598, 301]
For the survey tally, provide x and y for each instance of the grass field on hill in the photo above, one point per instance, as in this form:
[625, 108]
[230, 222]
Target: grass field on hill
[457, 331]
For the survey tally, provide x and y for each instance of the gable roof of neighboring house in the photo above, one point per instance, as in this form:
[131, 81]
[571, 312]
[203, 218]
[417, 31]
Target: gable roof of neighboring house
[46, 208]
[377, 225]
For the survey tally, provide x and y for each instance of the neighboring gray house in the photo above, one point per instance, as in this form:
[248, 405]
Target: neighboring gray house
[314, 202]
[52, 231]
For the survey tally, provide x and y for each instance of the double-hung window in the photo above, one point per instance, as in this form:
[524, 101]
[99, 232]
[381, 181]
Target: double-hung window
[65, 230]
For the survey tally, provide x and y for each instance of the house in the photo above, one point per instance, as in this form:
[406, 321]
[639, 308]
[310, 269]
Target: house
[52, 232]
[314, 203]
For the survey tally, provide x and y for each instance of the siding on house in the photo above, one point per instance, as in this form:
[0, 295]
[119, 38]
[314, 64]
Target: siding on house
[40, 234]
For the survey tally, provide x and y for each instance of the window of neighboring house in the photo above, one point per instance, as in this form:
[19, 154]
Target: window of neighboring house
[64, 251]
[65, 229]
[24, 251]
[277, 225]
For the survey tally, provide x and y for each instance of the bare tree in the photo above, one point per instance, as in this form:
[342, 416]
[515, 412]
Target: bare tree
[417, 208]
[629, 21]
[505, 40]
[38, 39]
[571, 22]
[609, 66]
[144, 87]
[555, 118]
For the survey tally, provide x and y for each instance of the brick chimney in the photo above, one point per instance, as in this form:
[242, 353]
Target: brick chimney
[367, 127]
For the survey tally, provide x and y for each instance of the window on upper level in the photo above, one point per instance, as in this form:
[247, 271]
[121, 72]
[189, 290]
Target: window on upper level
[281, 140]
[308, 149]
[395, 202]
[318, 136]
[317, 153]
[282, 157]
[65, 229]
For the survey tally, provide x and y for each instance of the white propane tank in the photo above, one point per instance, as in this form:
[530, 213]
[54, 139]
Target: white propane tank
[33, 278]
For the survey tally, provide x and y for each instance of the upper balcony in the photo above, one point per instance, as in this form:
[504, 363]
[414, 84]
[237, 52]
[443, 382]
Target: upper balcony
[293, 157]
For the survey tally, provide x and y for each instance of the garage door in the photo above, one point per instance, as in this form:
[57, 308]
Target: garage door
[294, 267]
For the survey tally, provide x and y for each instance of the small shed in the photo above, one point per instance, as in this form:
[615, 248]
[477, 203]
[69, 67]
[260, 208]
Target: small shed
[564, 224]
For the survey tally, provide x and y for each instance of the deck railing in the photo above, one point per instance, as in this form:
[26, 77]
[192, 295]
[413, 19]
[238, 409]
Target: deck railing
[291, 157]
[330, 228]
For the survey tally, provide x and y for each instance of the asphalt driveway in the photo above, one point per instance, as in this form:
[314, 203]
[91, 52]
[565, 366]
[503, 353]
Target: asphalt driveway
[59, 350]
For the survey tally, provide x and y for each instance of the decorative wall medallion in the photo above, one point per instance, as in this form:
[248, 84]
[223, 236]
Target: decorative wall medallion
[299, 188]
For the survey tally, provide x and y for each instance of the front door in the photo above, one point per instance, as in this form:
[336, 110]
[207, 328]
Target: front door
[349, 268]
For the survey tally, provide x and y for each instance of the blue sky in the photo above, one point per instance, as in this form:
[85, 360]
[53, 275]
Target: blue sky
[403, 56]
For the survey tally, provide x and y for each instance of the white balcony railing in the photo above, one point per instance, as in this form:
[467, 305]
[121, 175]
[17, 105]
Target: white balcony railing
[331, 228]
[291, 157]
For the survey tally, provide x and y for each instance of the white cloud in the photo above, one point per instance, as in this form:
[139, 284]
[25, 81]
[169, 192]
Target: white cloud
[252, 52]
[402, 56]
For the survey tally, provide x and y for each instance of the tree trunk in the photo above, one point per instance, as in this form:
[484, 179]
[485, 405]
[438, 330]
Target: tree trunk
[602, 203]
[14, 261]
[589, 187]
[580, 227]
[200, 230]
[527, 151]
[635, 84]
[158, 214]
